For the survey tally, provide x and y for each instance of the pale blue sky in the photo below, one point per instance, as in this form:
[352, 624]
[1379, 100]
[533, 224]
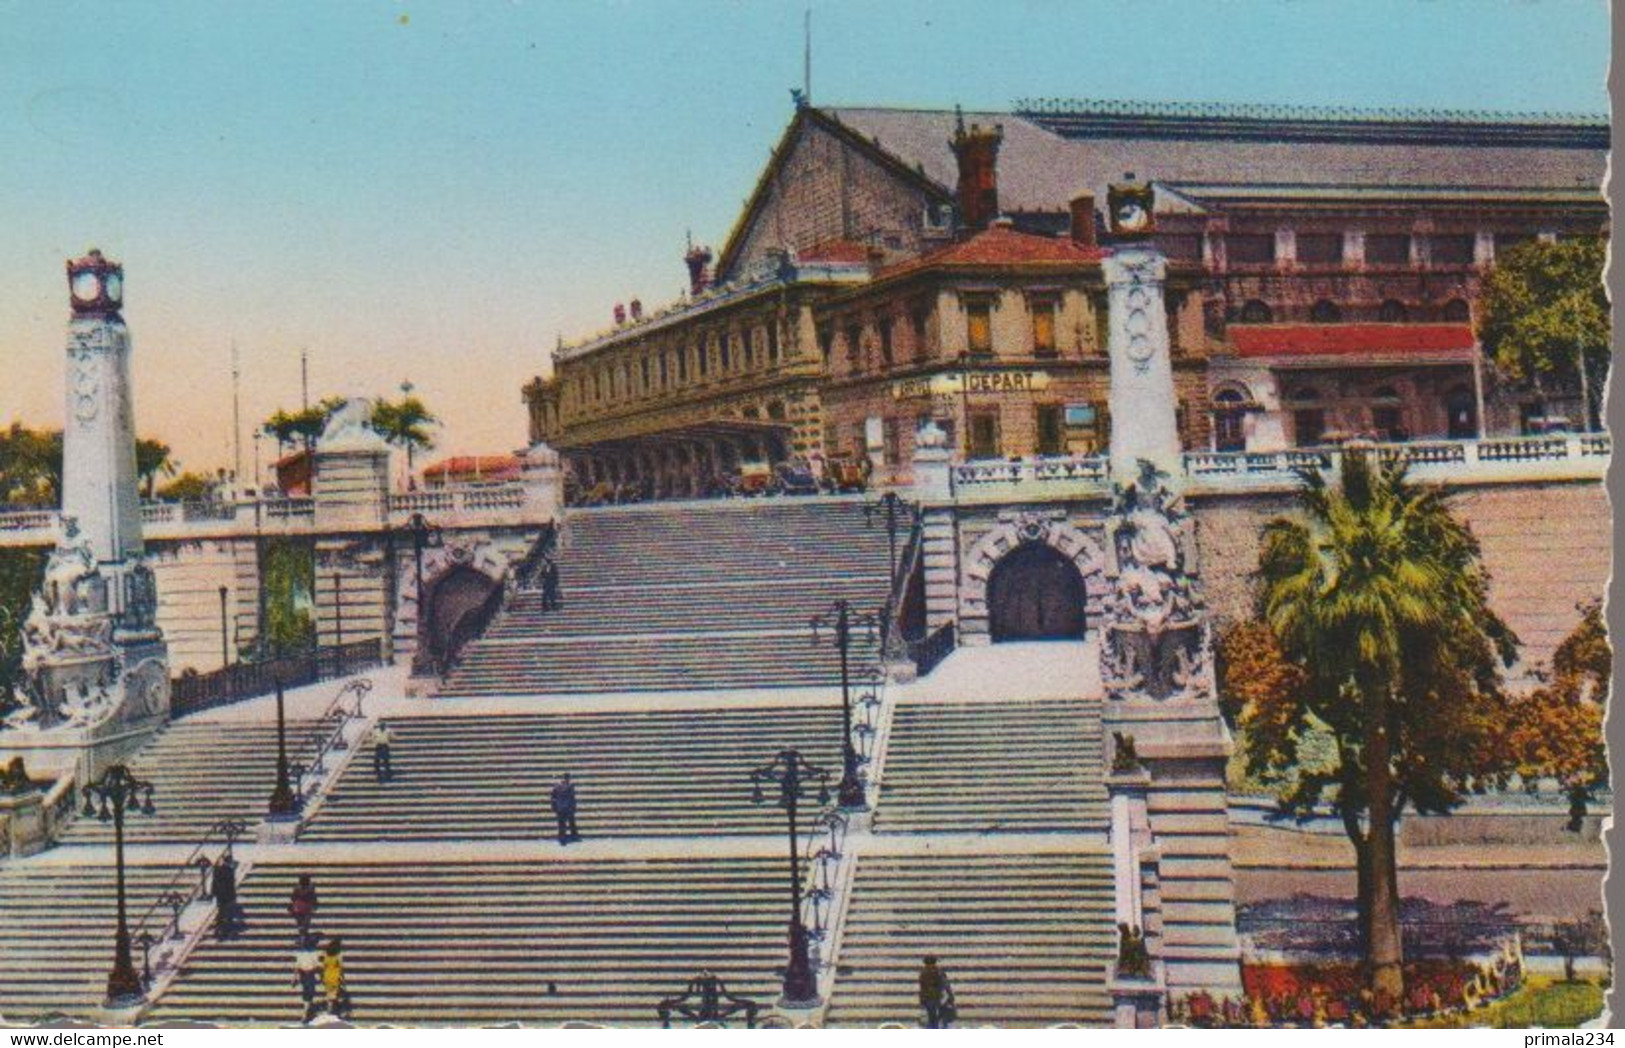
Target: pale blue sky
[434, 190]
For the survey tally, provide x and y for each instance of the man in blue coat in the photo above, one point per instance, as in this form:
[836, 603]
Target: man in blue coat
[564, 809]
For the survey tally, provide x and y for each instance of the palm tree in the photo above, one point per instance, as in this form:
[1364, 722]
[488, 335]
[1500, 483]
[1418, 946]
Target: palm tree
[1376, 592]
[152, 457]
[405, 424]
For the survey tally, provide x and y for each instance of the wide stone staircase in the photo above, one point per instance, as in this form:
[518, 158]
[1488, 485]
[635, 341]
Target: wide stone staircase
[698, 596]
[994, 767]
[202, 771]
[637, 773]
[470, 942]
[1024, 938]
[56, 934]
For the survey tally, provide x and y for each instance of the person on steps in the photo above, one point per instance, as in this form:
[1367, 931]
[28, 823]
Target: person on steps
[382, 738]
[933, 993]
[337, 993]
[228, 918]
[307, 968]
[302, 905]
[550, 585]
[563, 802]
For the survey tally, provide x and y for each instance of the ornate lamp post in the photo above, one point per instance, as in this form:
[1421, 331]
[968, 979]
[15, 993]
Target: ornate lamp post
[106, 799]
[422, 533]
[844, 620]
[283, 802]
[792, 774]
[225, 635]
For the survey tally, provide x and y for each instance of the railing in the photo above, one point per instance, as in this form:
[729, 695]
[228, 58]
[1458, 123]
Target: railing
[527, 573]
[27, 519]
[328, 734]
[287, 509]
[1090, 469]
[472, 499]
[893, 641]
[196, 868]
[929, 652]
[1491, 454]
[190, 693]
[187, 511]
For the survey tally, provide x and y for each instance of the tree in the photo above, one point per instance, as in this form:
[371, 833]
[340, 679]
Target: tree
[1375, 593]
[1555, 732]
[1583, 936]
[152, 457]
[188, 487]
[20, 572]
[30, 466]
[405, 424]
[1544, 316]
[305, 425]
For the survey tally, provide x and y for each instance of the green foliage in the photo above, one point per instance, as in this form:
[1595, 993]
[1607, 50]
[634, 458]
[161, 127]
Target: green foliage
[152, 457]
[30, 466]
[20, 573]
[1544, 304]
[404, 423]
[188, 487]
[1541, 1003]
[302, 426]
[288, 575]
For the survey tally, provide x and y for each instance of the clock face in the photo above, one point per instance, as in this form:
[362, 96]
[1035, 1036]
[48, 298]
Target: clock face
[115, 287]
[86, 286]
[1131, 217]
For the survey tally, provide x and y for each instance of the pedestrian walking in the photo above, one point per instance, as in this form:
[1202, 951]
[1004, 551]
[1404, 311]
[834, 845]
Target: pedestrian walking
[307, 969]
[382, 739]
[228, 916]
[333, 986]
[564, 809]
[550, 585]
[933, 993]
[302, 905]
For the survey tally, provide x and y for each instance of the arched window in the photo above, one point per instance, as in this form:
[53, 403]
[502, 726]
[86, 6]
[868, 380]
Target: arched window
[1325, 312]
[775, 410]
[1229, 416]
[1256, 312]
[1392, 311]
[1457, 312]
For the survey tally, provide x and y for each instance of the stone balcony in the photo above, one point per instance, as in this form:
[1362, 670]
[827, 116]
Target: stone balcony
[1491, 460]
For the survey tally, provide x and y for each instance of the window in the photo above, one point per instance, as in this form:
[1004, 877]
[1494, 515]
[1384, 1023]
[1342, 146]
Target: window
[1461, 412]
[1308, 426]
[1051, 433]
[1256, 312]
[1393, 311]
[643, 368]
[979, 325]
[702, 357]
[884, 327]
[1388, 249]
[1229, 418]
[773, 341]
[1325, 312]
[826, 342]
[1454, 249]
[918, 318]
[1456, 311]
[854, 347]
[1387, 417]
[1185, 247]
[1043, 311]
[1320, 249]
[1250, 248]
[984, 434]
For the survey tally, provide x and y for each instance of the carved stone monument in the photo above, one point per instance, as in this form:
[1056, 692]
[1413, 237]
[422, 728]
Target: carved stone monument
[95, 666]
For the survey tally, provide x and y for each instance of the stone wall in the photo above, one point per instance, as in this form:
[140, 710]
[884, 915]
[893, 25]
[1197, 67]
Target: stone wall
[1547, 546]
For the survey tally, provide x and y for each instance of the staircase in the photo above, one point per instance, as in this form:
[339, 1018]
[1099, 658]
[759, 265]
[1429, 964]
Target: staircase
[56, 934]
[994, 767]
[1024, 938]
[201, 771]
[704, 596]
[651, 773]
[486, 942]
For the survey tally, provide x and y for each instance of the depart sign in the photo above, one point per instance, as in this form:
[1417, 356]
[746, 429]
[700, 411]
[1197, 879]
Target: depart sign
[955, 383]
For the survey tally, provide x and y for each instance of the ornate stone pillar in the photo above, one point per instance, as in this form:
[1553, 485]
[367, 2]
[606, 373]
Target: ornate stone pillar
[1144, 425]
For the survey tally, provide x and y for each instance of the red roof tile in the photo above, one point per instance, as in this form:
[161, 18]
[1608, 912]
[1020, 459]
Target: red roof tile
[1326, 340]
[1002, 246]
[486, 465]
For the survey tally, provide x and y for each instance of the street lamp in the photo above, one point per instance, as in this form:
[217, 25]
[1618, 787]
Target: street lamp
[225, 641]
[844, 620]
[894, 510]
[106, 799]
[283, 803]
[422, 531]
[792, 773]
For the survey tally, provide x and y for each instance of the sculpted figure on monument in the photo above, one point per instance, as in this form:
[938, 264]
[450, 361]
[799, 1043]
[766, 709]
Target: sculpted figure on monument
[1154, 633]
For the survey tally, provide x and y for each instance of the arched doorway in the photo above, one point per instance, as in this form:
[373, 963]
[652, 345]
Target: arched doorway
[459, 604]
[1035, 593]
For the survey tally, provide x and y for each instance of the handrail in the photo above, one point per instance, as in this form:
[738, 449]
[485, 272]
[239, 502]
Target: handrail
[336, 715]
[894, 642]
[230, 829]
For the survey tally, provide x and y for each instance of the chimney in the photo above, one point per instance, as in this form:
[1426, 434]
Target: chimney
[698, 260]
[1083, 220]
[620, 314]
[637, 310]
[977, 151]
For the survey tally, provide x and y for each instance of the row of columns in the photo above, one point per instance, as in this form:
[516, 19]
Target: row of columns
[681, 468]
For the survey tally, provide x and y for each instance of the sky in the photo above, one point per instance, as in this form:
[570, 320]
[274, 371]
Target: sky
[435, 192]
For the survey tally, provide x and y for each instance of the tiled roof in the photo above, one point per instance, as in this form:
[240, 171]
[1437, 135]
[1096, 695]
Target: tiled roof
[1000, 245]
[1041, 169]
[485, 465]
[1322, 340]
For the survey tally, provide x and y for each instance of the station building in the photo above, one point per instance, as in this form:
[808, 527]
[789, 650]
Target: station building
[898, 264]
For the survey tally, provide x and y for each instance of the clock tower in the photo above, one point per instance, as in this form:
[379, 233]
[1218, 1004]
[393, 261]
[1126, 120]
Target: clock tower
[98, 437]
[1145, 426]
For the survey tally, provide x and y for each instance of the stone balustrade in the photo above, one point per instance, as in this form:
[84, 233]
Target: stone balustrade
[445, 507]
